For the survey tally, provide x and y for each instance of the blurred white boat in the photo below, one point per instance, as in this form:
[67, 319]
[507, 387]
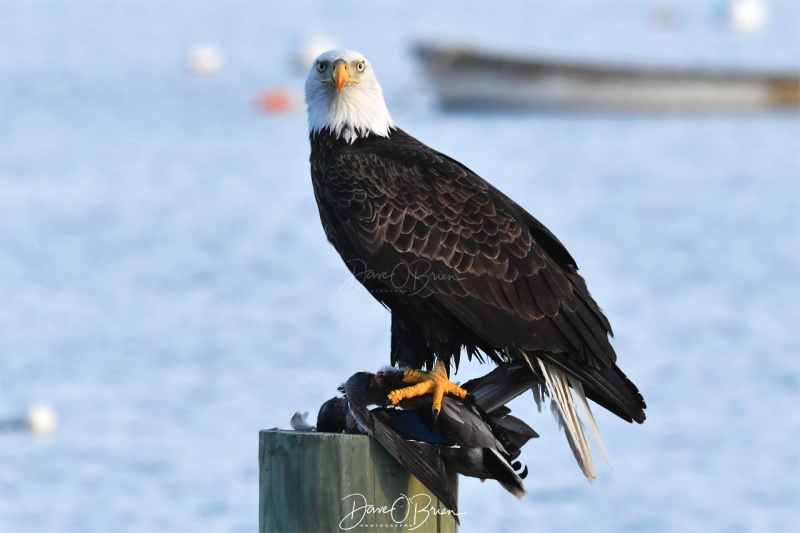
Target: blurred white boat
[468, 78]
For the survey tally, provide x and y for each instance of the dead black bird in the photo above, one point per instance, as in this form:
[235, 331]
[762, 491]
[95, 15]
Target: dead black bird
[476, 437]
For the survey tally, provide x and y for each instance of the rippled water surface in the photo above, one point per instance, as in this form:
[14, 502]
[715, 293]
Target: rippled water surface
[167, 288]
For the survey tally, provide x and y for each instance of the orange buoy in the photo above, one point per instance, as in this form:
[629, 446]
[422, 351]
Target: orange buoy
[277, 101]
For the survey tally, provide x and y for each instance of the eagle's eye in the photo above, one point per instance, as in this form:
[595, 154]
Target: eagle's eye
[360, 66]
[322, 65]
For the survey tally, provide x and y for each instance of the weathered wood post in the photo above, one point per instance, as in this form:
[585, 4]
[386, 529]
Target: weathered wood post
[339, 482]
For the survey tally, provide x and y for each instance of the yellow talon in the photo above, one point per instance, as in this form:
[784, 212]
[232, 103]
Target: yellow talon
[434, 382]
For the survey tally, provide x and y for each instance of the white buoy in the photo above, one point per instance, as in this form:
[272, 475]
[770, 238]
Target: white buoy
[205, 60]
[748, 15]
[42, 420]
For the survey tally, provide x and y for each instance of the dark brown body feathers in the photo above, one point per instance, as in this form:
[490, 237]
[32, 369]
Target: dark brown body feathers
[461, 265]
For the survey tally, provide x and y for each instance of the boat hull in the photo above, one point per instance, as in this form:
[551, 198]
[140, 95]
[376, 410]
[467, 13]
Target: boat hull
[465, 78]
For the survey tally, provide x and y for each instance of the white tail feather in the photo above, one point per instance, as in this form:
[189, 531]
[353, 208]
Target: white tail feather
[538, 390]
[558, 383]
[587, 411]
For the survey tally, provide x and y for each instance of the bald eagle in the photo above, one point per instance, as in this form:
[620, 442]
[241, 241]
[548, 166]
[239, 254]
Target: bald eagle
[460, 265]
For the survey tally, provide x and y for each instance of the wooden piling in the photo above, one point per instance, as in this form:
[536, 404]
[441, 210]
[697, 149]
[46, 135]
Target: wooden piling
[339, 482]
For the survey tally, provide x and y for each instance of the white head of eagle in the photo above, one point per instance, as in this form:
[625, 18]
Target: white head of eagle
[344, 96]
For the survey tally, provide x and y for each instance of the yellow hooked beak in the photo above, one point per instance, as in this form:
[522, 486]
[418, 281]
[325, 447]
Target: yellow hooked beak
[341, 75]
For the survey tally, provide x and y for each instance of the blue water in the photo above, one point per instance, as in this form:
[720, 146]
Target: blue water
[166, 286]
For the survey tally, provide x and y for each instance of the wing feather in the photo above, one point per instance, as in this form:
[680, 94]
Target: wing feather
[475, 257]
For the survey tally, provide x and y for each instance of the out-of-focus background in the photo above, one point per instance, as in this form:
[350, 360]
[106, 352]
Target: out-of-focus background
[167, 290]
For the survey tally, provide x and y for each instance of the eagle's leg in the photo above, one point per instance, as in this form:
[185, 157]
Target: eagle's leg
[434, 382]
